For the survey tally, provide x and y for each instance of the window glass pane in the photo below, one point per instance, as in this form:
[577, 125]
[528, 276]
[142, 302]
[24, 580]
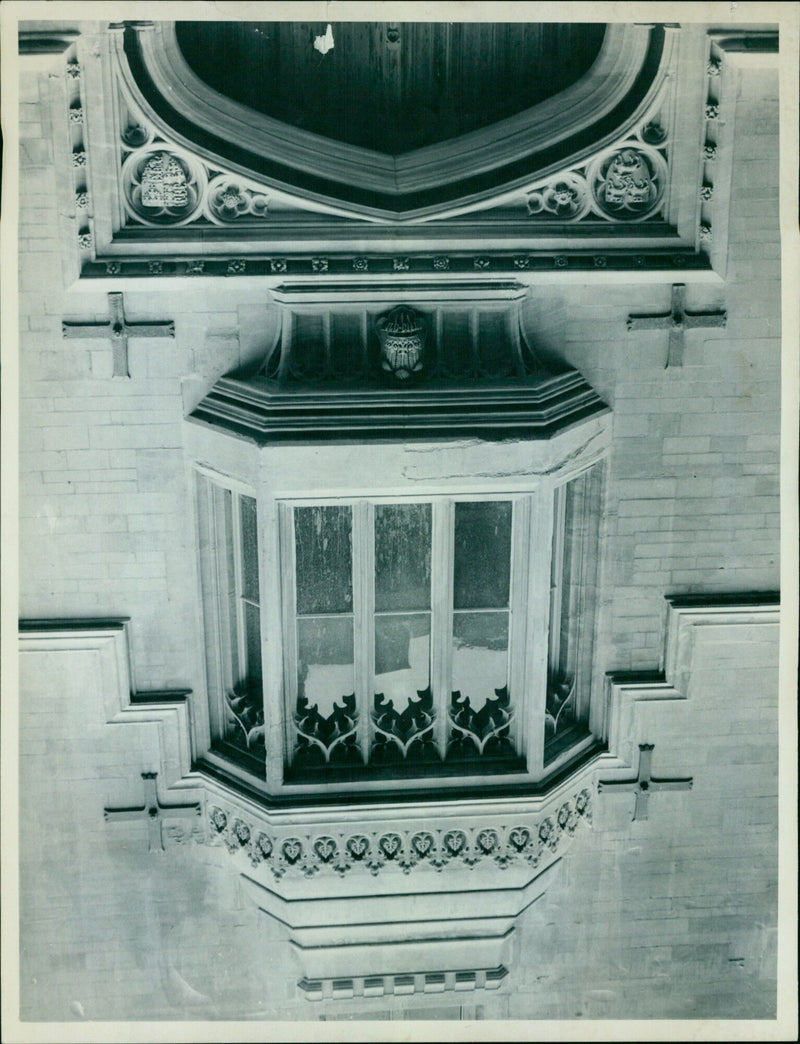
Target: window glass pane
[480, 656]
[325, 672]
[252, 628]
[402, 556]
[323, 550]
[402, 657]
[249, 535]
[482, 555]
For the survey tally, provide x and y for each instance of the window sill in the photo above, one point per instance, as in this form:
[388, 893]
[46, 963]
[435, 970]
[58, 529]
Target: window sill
[234, 779]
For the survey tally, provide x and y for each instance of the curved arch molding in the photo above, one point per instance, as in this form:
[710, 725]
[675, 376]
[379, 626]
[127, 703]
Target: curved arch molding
[434, 181]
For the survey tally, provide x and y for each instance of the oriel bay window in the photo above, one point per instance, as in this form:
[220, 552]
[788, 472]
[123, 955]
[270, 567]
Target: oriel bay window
[439, 637]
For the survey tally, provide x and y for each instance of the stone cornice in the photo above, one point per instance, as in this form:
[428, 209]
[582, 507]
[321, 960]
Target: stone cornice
[36, 42]
[263, 411]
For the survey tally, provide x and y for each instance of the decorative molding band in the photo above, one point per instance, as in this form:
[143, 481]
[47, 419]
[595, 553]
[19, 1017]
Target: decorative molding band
[711, 110]
[518, 263]
[76, 119]
[399, 985]
[453, 844]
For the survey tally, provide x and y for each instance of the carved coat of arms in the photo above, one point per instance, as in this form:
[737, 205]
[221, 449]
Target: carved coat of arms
[628, 180]
[164, 182]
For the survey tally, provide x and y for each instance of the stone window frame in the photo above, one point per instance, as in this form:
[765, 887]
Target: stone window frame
[544, 496]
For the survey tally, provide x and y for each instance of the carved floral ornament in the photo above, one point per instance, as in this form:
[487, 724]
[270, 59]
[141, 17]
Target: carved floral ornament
[626, 183]
[438, 848]
[229, 199]
[163, 185]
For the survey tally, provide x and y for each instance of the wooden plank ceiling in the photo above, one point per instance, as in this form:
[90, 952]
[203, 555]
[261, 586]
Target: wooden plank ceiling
[390, 88]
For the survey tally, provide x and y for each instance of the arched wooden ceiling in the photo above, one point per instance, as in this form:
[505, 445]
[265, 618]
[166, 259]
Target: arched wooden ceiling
[391, 89]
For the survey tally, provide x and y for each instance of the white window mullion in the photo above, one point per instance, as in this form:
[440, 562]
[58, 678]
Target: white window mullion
[271, 590]
[556, 577]
[287, 568]
[222, 524]
[217, 651]
[538, 624]
[363, 619]
[520, 543]
[442, 617]
[238, 585]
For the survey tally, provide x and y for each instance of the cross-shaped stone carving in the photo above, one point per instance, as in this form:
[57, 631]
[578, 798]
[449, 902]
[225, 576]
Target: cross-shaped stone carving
[676, 321]
[153, 812]
[119, 330]
[644, 784]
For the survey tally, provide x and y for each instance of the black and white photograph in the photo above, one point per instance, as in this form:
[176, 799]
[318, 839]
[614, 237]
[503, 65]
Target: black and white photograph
[399, 521]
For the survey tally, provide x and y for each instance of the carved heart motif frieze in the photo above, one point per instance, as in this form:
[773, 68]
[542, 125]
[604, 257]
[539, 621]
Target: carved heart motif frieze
[402, 850]
[358, 847]
[292, 850]
[422, 844]
[390, 845]
[325, 847]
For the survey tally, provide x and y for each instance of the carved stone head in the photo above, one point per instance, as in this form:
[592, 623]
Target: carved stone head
[402, 336]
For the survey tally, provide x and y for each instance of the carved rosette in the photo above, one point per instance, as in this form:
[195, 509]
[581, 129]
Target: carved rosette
[229, 200]
[162, 186]
[534, 842]
[402, 337]
[628, 182]
[565, 197]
